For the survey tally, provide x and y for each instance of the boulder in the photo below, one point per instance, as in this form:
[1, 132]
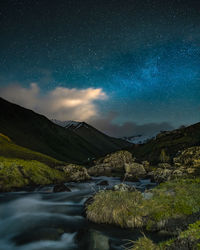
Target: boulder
[61, 188]
[122, 187]
[111, 164]
[98, 241]
[164, 174]
[134, 171]
[100, 170]
[76, 172]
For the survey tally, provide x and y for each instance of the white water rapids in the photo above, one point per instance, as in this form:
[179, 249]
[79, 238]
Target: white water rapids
[43, 220]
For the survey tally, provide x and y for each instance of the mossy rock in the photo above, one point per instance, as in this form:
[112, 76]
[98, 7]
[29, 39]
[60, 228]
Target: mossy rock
[76, 172]
[189, 159]
[134, 171]
[112, 164]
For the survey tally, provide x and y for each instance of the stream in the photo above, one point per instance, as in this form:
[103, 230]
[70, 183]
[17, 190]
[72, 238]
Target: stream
[41, 219]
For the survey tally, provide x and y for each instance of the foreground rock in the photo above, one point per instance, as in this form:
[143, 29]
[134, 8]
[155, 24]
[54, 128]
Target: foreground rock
[76, 173]
[61, 188]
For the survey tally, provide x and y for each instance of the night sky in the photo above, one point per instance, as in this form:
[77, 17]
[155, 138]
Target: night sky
[125, 66]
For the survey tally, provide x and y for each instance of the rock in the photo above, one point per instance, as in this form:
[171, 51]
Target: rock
[146, 165]
[160, 175]
[98, 241]
[188, 160]
[103, 183]
[100, 170]
[89, 201]
[166, 172]
[76, 172]
[61, 188]
[51, 234]
[112, 164]
[147, 195]
[164, 165]
[134, 171]
[122, 187]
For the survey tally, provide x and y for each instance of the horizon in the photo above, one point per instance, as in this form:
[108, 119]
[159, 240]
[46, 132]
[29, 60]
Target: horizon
[62, 122]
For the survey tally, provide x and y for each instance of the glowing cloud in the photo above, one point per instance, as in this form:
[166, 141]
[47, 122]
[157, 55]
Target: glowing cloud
[60, 103]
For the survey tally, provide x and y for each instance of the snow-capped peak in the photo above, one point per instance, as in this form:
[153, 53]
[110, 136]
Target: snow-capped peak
[70, 124]
[138, 139]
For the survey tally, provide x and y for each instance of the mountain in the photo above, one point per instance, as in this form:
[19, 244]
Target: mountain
[34, 131]
[167, 143]
[93, 136]
[9, 149]
[138, 139]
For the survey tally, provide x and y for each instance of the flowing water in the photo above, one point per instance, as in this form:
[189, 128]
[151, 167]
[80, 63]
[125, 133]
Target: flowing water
[41, 219]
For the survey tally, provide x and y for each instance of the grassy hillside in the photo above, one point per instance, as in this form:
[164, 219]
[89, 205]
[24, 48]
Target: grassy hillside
[11, 150]
[17, 173]
[166, 145]
[31, 130]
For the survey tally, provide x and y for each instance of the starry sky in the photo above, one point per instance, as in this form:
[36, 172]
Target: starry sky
[125, 66]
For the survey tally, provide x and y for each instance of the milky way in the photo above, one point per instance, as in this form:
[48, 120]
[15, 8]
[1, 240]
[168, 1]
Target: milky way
[144, 56]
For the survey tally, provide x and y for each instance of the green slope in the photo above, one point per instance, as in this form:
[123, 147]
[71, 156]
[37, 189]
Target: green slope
[11, 150]
[18, 173]
[169, 143]
[31, 130]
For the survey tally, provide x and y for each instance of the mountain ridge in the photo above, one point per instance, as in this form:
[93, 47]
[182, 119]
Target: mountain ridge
[36, 132]
[168, 142]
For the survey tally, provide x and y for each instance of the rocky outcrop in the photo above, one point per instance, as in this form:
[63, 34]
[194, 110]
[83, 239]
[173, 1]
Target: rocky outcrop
[111, 164]
[120, 163]
[76, 172]
[185, 163]
[188, 160]
[165, 172]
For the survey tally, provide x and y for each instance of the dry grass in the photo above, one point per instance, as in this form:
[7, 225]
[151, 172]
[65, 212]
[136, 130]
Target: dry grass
[129, 209]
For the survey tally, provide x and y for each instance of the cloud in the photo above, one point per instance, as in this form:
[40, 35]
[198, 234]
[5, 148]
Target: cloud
[77, 104]
[60, 103]
[108, 126]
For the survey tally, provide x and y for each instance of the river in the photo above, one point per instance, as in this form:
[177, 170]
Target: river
[40, 220]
